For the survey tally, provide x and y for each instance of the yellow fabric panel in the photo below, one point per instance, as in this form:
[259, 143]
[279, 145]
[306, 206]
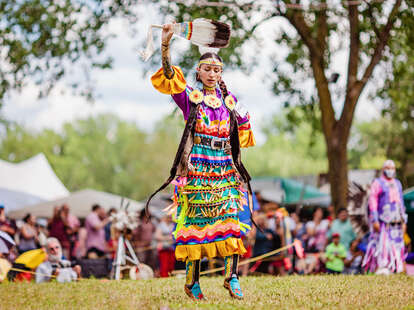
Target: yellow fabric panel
[173, 86]
[407, 239]
[246, 138]
[32, 258]
[223, 248]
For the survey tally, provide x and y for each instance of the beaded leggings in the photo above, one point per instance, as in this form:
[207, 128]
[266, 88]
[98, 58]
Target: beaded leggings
[192, 269]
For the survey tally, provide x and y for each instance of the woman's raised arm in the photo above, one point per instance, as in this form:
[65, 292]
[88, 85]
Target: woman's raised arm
[167, 32]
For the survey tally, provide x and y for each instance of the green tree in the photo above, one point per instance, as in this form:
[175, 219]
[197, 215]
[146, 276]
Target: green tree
[41, 40]
[288, 151]
[369, 143]
[319, 33]
[398, 92]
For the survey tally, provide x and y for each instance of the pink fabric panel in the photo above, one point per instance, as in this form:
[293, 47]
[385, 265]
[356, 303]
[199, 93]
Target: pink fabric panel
[394, 192]
[373, 196]
[373, 201]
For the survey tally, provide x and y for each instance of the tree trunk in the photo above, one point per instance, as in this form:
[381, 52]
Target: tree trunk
[338, 170]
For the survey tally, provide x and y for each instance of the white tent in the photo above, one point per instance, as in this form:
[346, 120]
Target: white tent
[13, 200]
[34, 177]
[80, 204]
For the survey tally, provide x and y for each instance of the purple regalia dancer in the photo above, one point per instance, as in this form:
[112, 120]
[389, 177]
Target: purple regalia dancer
[387, 219]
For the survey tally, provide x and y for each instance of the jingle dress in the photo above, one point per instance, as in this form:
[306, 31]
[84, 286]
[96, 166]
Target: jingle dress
[208, 199]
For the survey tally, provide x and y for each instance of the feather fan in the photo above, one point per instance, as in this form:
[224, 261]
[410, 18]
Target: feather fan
[201, 32]
[358, 208]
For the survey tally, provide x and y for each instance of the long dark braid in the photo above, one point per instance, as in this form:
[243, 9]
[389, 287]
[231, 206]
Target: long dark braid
[223, 89]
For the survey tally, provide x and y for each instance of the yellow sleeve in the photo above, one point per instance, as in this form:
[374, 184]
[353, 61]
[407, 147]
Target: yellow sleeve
[173, 86]
[246, 138]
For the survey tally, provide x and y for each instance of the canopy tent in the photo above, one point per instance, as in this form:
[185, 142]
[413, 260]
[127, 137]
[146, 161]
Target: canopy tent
[288, 191]
[298, 192]
[13, 200]
[409, 200]
[80, 204]
[33, 177]
[323, 201]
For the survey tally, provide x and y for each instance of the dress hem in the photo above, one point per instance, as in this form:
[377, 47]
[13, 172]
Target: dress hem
[222, 248]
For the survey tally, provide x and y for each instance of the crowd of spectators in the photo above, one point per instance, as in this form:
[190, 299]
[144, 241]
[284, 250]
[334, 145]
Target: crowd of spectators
[329, 242]
[71, 239]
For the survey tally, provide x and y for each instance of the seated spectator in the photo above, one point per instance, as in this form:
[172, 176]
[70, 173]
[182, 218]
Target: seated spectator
[299, 231]
[113, 243]
[28, 234]
[80, 243]
[331, 213]
[59, 228]
[316, 231]
[335, 255]
[354, 258]
[5, 224]
[265, 242]
[108, 231]
[282, 237]
[95, 226]
[300, 234]
[315, 242]
[165, 246]
[342, 225]
[56, 266]
[73, 225]
[142, 238]
[42, 231]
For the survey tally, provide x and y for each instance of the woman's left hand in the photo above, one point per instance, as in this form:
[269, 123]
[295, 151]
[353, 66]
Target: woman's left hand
[167, 32]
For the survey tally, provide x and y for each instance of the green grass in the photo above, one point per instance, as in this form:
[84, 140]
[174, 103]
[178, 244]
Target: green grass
[294, 292]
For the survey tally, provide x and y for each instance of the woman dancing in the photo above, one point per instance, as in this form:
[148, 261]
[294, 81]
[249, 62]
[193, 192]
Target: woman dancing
[207, 170]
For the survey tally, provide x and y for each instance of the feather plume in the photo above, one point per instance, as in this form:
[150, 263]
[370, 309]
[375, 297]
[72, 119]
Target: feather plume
[124, 218]
[201, 32]
[205, 32]
[358, 208]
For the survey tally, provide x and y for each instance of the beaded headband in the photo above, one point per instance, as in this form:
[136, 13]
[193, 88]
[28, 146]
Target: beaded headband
[210, 61]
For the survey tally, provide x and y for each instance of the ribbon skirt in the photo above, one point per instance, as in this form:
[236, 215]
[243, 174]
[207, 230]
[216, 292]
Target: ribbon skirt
[208, 201]
[385, 249]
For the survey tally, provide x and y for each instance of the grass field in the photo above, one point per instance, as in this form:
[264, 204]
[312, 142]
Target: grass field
[294, 292]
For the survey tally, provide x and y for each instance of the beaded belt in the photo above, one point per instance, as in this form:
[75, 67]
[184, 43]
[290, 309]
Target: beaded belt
[215, 144]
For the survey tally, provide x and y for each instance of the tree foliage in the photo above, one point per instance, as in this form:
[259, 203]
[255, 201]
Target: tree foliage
[398, 94]
[41, 40]
[108, 154]
[313, 36]
[287, 151]
[103, 153]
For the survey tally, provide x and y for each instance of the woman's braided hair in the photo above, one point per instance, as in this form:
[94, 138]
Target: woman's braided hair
[222, 85]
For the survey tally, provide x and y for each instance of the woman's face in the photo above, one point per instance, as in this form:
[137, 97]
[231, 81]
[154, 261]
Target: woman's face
[318, 214]
[209, 74]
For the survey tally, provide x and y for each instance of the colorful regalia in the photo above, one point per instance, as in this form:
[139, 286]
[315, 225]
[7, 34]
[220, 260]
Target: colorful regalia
[385, 250]
[209, 197]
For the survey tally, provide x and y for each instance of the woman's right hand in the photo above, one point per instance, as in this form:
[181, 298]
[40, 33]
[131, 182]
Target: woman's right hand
[167, 32]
